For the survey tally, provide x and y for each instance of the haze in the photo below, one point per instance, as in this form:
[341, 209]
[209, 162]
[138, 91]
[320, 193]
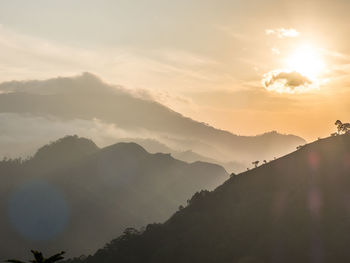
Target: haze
[243, 66]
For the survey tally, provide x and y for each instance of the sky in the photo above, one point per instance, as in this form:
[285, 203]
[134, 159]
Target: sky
[244, 66]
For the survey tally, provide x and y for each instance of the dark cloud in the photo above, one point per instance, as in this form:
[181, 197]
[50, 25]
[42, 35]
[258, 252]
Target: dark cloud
[283, 81]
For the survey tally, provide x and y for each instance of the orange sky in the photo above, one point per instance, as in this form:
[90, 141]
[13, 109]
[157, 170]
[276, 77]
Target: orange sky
[245, 66]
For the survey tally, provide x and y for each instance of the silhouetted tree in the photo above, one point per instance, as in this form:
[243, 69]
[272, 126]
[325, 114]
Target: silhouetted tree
[339, 125]
[255, 163]
[198, 196]
[39, 258]
[343, 128]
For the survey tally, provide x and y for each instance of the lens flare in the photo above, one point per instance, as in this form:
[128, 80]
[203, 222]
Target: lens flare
[38, 210]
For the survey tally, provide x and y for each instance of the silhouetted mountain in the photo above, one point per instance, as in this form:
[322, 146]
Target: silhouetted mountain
[62, 153]
[189, 156]
[86, 98]
[293, 209]
[69, 147]
[73, 196]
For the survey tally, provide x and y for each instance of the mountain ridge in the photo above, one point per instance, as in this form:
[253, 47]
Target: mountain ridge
[292, 209]
[70, 99]
[101, 191]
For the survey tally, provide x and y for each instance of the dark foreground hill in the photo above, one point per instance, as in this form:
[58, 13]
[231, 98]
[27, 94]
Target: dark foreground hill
[294, 209]
[73, 196]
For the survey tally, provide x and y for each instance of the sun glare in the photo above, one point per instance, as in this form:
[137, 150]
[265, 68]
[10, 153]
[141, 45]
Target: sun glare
[306, 60]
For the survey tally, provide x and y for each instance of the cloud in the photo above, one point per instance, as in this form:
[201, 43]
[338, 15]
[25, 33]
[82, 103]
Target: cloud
[22, 134]
[287, 82]
[27, 57]
[275, 51]
[282, 32]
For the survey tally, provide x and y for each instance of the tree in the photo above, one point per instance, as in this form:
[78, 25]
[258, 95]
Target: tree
[343, 128]
[39, 258]
[255, 163]
[339, 125]
[198, 196]
[265, 162]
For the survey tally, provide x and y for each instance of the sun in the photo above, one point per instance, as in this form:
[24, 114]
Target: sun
[306, 60]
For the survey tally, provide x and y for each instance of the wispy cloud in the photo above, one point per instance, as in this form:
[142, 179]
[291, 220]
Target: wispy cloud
[282, 32]
[21, 134]
[275, 51]
[27, 57]
[231, 32]
[165, 73]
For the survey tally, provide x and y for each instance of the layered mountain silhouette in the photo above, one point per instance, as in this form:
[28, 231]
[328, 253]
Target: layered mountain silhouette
[88, 98]
[293, 209]
[75, 196]
[189, 156]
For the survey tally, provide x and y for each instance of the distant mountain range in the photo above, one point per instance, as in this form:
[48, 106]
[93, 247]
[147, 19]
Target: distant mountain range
[84, 99]
[75, 196]
[190, 156]
[293, 209]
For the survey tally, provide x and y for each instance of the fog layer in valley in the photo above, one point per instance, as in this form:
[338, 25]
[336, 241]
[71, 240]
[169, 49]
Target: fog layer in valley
[34, 112]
